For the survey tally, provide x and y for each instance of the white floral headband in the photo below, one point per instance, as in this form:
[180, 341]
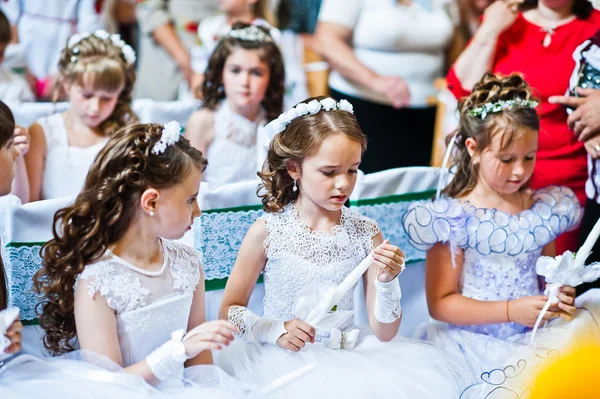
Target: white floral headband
[490, 108]
[250, 33]
[170, 135]
[312, 107]
[126, 49]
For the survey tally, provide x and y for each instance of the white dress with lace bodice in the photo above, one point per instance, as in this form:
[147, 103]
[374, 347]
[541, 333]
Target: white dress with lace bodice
[500, 252]
[300, 259]
[149, 306]
[65, 167]
[232, 155]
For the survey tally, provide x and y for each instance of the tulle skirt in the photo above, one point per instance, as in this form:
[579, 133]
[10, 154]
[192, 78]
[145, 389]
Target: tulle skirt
[85, 375]
[403, 368]
[505, 368]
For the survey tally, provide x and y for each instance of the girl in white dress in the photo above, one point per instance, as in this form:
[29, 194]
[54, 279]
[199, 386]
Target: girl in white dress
[97, 73]
[115, 285]
[242, 91]
[307, 243]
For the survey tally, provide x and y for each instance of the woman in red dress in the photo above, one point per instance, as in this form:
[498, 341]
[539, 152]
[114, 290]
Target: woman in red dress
[538, 43]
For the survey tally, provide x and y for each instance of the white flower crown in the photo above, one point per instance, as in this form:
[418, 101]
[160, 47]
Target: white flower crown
[490, 108]
[250, 33]
[278, 125]
[170, 135]
[126, 49]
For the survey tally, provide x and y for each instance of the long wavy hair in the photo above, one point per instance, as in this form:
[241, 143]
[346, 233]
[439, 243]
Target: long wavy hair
[510, 123]
[101, 64]
[7, 130]
[212, 86]
[302, 136]
[100, 216]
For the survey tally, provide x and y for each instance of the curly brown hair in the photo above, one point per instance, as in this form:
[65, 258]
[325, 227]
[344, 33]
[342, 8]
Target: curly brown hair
[212, 86]
[102, 64]
[302, 136]
[100, 216]
[510, 123]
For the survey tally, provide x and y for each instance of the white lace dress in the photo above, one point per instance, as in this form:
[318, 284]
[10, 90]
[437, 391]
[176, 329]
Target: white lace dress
[149, 306]
[66, 167]
[232, 155]
[300, 259]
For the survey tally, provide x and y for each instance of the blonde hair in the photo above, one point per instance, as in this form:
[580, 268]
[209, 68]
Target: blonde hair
[102, 65]
[510, 123]
[300, 137]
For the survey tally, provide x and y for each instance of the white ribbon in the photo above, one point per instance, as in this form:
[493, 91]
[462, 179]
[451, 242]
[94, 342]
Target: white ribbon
[566, 269]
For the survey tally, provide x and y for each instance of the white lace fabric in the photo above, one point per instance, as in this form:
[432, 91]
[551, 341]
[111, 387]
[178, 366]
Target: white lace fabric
[148, 305]
[299, 259]
[233, 153]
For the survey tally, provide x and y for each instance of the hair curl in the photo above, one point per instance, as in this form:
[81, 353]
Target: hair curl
[100, 215]
[510, 123]
[212, 86]
[102, 64]
[300, 138]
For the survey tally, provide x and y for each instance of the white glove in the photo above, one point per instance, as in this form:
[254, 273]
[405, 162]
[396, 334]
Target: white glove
[387, 301]
[254, 328]
[167, 360]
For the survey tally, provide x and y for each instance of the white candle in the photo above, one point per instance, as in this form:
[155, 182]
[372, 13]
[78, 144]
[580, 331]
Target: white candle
[586, 248]
[283, 381]
[343, 288]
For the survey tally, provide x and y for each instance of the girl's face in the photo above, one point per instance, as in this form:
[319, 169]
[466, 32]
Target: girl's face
[178, 206]
[508, 170]
[91, 106]
[245, 79]
[8, 155]
[327, 176]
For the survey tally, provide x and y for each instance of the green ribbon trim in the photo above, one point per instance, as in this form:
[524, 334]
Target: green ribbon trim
[394, 198]
[24, 244]
[244, 208]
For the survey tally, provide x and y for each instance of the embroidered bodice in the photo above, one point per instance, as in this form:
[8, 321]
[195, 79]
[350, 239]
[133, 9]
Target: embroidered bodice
[149, 305]
[299, 259]
[232, 155]
[500, 250]
[66, 166]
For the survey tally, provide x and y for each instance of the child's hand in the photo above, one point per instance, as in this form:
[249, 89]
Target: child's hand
[298, 334]
[14, 335]
[22, 139]
[210, 335]
[566, 306]
[526, 310]
[390, 260]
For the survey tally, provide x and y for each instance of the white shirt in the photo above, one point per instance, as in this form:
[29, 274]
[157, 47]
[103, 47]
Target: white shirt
[394, 40]
[14, 88]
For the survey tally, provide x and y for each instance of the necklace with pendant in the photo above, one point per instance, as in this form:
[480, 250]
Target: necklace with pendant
[550, 31]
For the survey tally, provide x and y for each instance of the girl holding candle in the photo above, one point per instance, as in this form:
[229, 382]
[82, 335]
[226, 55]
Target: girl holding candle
[485, 235]
[308, 241]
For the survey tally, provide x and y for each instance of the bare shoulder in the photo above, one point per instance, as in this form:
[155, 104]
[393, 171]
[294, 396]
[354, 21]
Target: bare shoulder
[200, 120]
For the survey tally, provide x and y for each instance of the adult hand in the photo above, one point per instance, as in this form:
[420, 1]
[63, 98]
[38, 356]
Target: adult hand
[394, 89]
[500, 15]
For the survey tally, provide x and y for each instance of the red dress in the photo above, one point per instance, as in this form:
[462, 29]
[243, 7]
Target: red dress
[561, 158]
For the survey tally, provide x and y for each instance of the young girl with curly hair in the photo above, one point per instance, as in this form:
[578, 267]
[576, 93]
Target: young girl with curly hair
[243, 89]
[97, 73]
[484, 237]
[306, 244]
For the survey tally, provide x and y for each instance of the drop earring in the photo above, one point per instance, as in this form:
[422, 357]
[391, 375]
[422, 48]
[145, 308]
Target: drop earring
[294, 187]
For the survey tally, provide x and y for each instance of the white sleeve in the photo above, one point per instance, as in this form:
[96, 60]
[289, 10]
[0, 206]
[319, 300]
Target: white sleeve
[343, 12]
[89, 19]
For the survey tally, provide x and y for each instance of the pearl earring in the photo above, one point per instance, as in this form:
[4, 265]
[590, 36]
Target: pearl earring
[294, 187]
[151, 213]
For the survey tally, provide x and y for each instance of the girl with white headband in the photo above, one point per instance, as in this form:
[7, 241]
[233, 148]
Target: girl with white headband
[115, 285]
[97, 73]
[306, 246]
